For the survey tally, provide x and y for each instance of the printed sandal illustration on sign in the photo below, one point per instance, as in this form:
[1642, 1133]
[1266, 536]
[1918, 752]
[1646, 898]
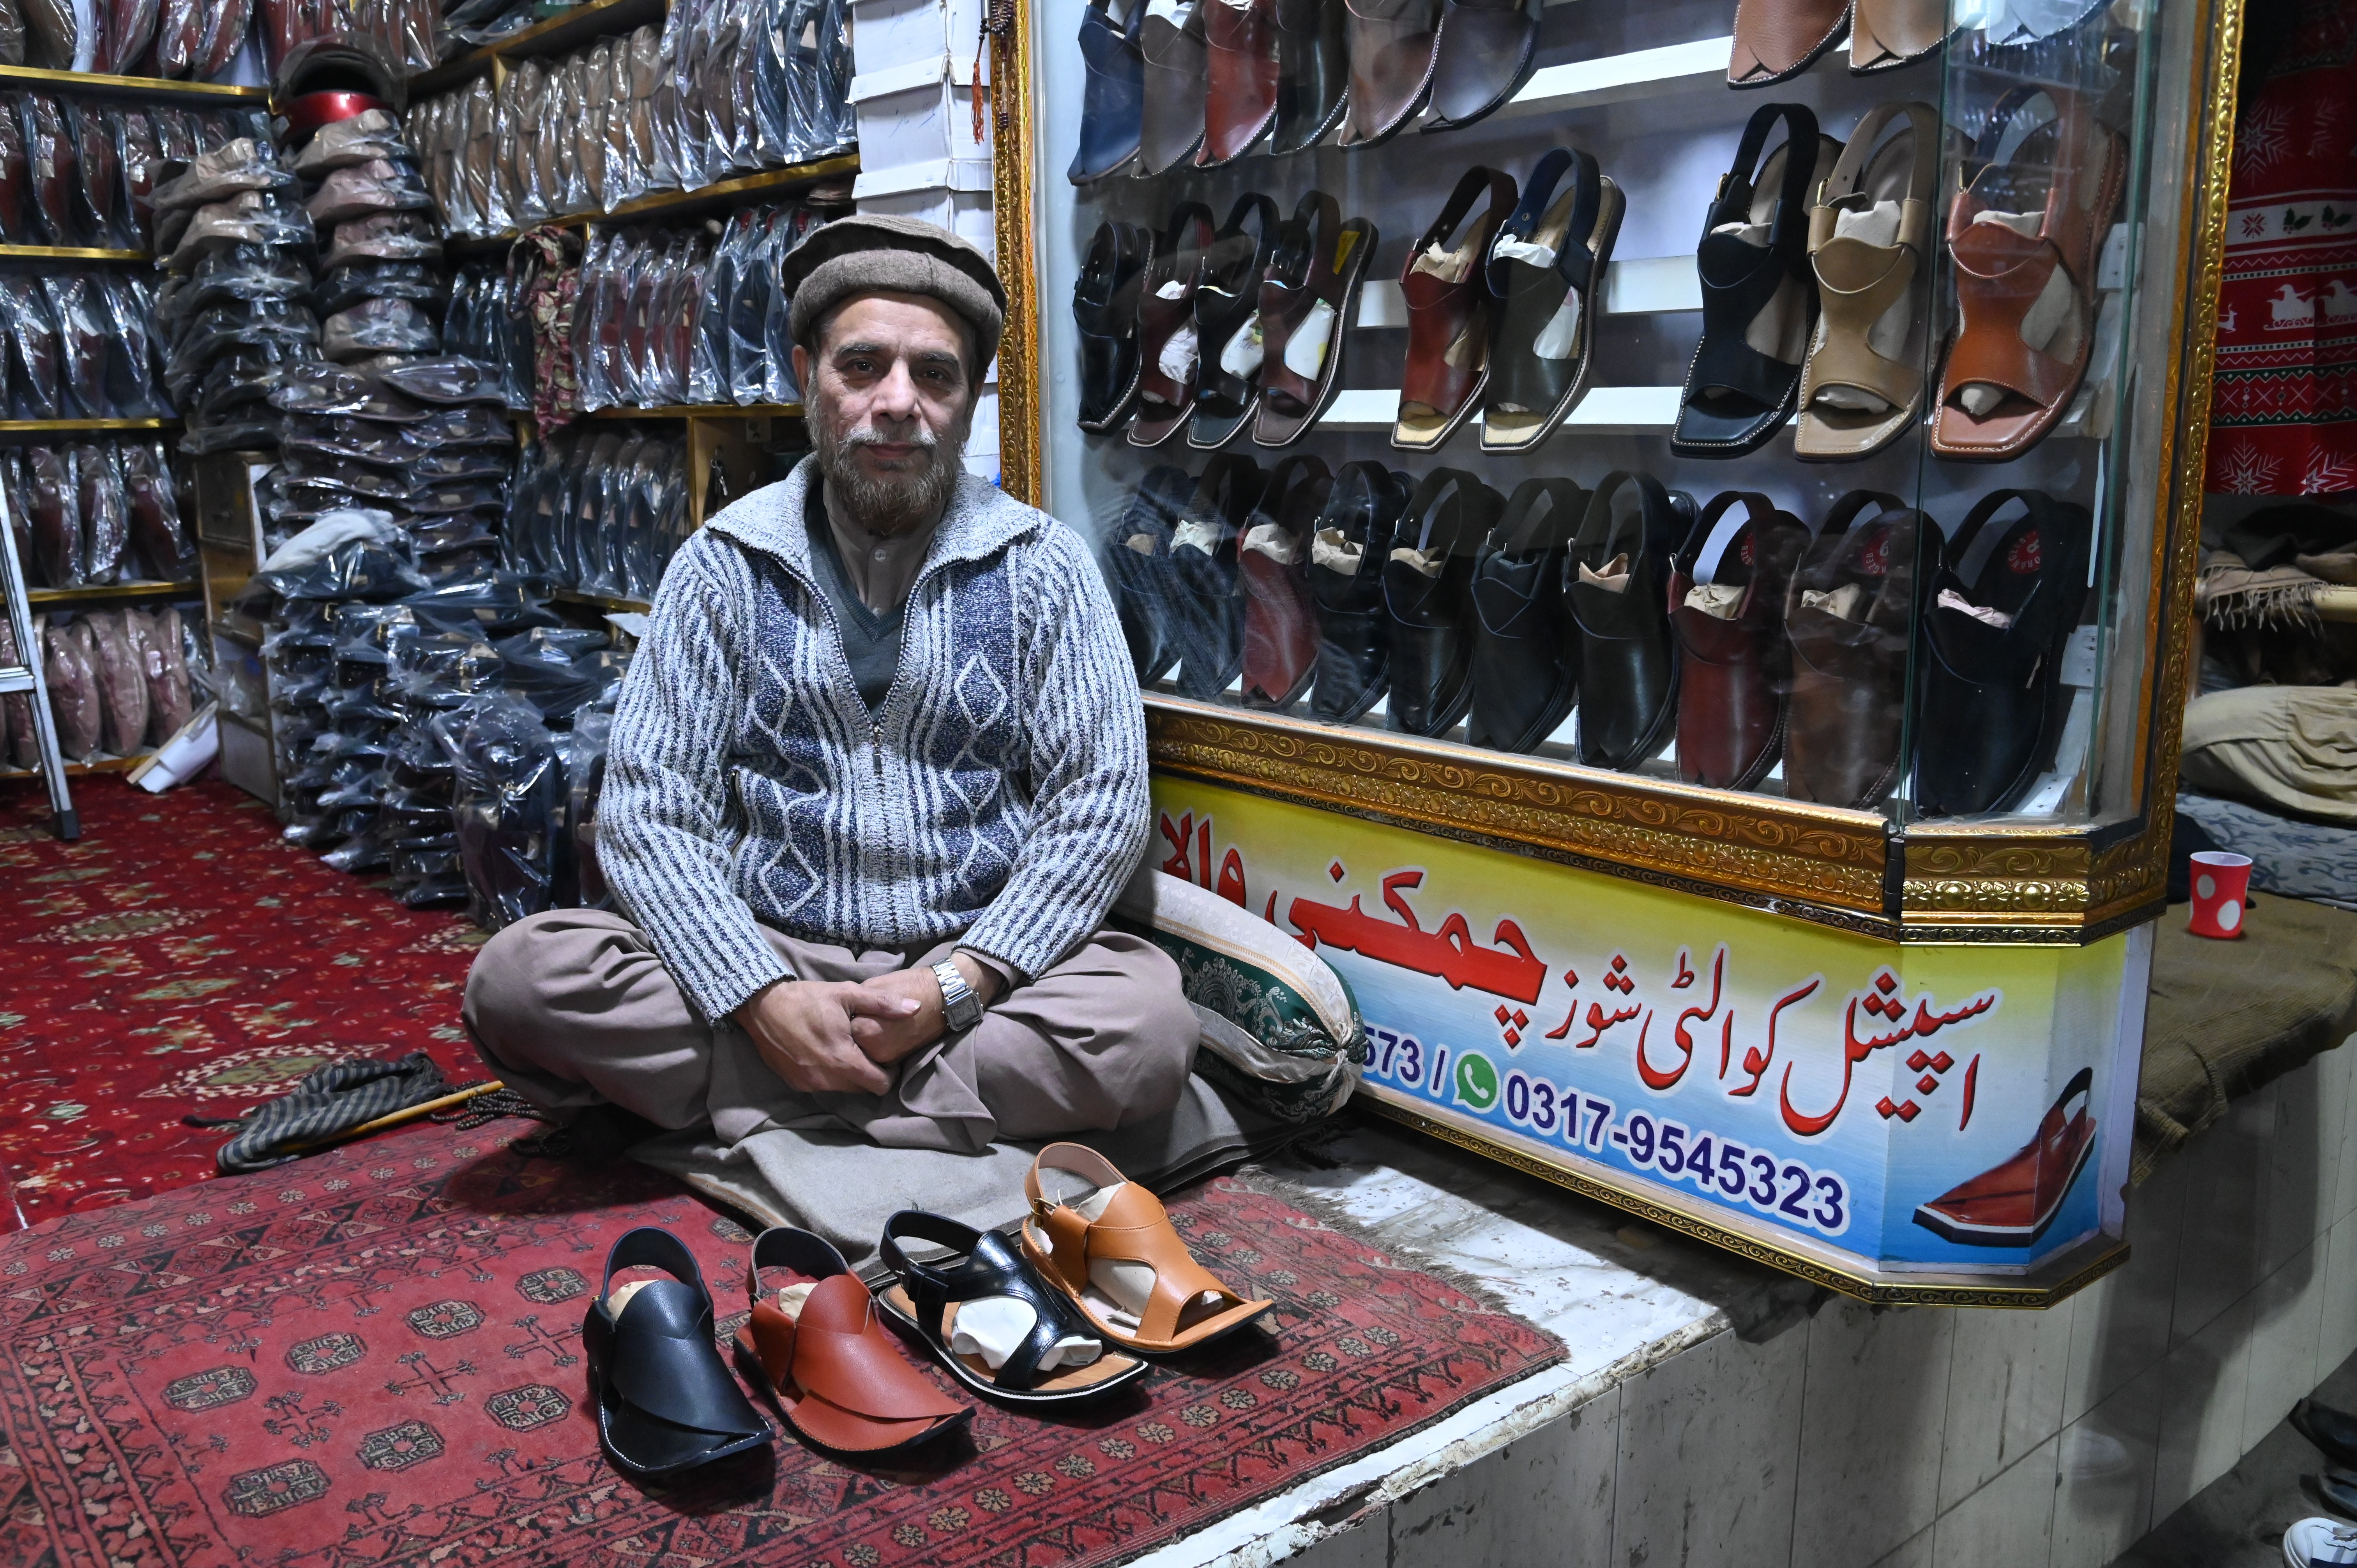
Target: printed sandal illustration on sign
[1869, 236]
[1307, 299]
[1391, 47]
[2003, 608]
[1169, 357]
[1776, 40]
[813, 1343]
[1104, 310]
[1887, 34]
[2012, 1204]
[2025, 236]
[1114, 1253]
[1545, 267]
[665, 1403]
[1112, 98]
[1227, 321]
[1758, 296]
[1171, 121]
[992, 1321]
[1272, 563]
[1449, 314]
[1240, 80]
[1727, 586]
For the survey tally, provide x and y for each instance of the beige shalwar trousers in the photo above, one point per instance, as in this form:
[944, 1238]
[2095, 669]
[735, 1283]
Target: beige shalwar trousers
[573, 1008]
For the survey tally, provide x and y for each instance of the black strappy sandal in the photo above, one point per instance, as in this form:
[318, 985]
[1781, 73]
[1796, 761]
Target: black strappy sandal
[1736, 397]
[665, 1402]
[1531, 392]
[1146, 583]
[925, 1300]
[1227, 298]
[1207, 605]
[1104, 310]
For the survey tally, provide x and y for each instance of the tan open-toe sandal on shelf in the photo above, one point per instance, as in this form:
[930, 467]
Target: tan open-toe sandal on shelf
[1114, 1251]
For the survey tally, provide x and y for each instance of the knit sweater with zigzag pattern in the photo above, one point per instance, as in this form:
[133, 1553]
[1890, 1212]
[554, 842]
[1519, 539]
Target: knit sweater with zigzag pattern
[999, 792]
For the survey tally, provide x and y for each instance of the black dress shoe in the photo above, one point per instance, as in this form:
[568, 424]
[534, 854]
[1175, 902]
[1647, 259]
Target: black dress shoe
[2003, 607]
[2334, 1432]
[2336, 1488]
[1313, 73]
[1104, 308]
[1145, 582]
[1347, 553]
[1617, 579]
[1526, 651]
[1428, 594]
[1208, 608]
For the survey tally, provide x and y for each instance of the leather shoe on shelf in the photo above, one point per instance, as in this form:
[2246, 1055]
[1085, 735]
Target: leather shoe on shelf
[1307, 300]
[1167, 357]
[1483, 51]
[1848, 617]
[2024, 237]
[1727, 585]
[1208, 610]
[1390, 67]
[1112, 98]
[1352, 543]
[1776, 40]
[1104, 310]
[1887, 34]
[1273, 563]
[2004, 605]
[1227, 304]
[812, 1342]
[1428, 593]
[1617, 578]
[2333, 1432]
[1870, 239]
[1757, 287]
[1240, 83]
[1171, 123]
[1546, 268]
[1143, 581]
[1451, 313]
[1526, 649]
[1313, 73]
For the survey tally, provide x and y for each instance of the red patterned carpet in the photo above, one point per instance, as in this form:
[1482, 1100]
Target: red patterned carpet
[374, 1356]
[180, 958]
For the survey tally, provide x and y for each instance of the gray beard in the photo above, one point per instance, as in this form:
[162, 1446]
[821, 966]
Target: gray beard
[893, 503]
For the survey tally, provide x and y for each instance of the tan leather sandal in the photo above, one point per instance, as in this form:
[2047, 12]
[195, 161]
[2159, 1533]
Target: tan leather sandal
[1869, 235]
[1114, 1253]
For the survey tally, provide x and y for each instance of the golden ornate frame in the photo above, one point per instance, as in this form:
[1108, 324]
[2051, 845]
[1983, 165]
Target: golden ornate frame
[1850, 869]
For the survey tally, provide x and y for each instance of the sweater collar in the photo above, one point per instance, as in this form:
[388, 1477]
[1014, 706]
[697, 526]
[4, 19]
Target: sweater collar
[981, 520]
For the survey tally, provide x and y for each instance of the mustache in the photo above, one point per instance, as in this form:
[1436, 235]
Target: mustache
[920, 435]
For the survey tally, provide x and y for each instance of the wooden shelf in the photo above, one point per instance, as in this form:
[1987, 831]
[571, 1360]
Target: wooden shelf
[683, 203]
[91, 83]
[68, 426]
[599, 601]
[68, 253]
[84, 769]
[705, 411]
[560, 34]
[103, 592]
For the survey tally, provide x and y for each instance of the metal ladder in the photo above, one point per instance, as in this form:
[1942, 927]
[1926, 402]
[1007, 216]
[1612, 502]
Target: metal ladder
[24, 675]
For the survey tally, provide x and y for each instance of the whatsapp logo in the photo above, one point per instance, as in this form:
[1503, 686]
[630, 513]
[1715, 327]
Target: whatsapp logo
[1477, 1080]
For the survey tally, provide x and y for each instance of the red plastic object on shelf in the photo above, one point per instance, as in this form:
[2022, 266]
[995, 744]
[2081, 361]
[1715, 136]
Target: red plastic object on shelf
[307, 113]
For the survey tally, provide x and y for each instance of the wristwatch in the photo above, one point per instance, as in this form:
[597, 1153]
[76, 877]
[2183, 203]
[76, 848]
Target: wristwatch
[961, 1008]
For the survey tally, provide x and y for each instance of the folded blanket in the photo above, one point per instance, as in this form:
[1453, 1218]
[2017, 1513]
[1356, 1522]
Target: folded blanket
[2288, 749]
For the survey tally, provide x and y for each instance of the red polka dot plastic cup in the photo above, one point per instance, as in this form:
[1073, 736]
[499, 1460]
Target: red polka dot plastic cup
[2221, 890]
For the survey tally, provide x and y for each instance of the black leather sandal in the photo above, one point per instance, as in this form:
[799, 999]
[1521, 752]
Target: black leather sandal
[1145, 583]
[1348, 546]
[1753, 258]
[1428, 595]
[1526, 649]
[1104, 310]
[665, 1401]
[1207, 608]
[925, 1300]
[1227, 301]
[1535, 381]
[1615, 580]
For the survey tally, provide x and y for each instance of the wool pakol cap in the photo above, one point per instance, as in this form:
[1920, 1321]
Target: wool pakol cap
[881, 253]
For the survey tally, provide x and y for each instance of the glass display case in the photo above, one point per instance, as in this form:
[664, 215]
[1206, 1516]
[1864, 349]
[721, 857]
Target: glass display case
[1746, 453]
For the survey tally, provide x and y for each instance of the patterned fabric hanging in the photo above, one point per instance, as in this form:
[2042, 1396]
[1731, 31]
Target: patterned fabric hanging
[2283, 415]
